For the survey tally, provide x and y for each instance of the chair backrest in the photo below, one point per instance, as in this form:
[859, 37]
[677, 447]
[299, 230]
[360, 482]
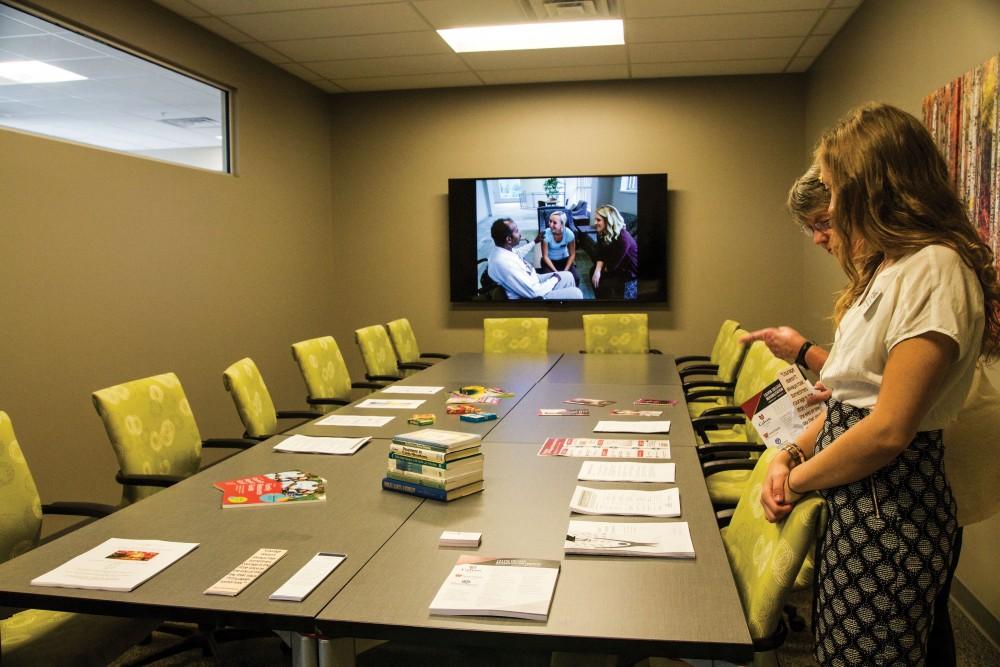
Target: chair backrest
[151, 429]
[515, 335]
[404, 341]
[616, 334]
[253, 401]
[376, 351]
[323, 368]
[721, 338]
[20, 506]
[732, 354]
[766, 557]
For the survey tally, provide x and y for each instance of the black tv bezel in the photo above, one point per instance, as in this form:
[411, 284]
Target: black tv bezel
[651, 205]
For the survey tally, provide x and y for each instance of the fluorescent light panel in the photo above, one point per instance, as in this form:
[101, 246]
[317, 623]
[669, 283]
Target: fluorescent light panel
[33, 71]
[524, 36]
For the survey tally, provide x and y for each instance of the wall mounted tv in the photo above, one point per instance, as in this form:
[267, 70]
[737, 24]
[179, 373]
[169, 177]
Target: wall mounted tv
[615, 223]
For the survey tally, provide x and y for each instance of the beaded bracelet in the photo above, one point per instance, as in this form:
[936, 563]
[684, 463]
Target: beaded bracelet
[794, 453]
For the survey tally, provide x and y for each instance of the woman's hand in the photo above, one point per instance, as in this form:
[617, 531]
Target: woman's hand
[820, 395]
[596, 279]
[775, 495]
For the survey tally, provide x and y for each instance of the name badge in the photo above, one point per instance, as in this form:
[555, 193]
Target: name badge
[869, 305]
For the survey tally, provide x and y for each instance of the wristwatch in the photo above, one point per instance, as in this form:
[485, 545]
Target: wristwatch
[800, 358]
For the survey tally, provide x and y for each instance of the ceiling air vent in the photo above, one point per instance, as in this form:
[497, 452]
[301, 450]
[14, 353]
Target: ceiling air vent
[548, 10]
[187, 123]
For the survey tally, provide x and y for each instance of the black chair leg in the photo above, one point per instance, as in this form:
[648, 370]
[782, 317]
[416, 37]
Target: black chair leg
[795, 621]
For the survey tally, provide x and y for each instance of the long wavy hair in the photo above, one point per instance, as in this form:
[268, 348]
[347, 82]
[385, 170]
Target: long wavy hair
[892, 198]
[616, 223]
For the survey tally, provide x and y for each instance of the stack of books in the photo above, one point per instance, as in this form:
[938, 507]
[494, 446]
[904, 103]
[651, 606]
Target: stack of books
[434, 463]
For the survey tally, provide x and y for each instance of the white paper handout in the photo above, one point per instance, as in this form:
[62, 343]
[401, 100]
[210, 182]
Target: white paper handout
[116, 565]
[779, 411]
[610, 426]
[390, 404]
[626, 502]
[409, 389]
[309, 576]
[366, 421]
[484, 586]
[608, 538]
[310, 444]
[606, 448]
[624, 471]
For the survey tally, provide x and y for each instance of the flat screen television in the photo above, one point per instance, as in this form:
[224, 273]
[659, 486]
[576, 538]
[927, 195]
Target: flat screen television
[616, 222]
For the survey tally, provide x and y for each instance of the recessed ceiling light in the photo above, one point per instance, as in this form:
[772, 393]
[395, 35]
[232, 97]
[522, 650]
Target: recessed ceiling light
[33, 71]
[524, 36]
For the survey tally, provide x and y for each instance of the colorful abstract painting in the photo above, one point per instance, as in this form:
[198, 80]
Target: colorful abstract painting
[964, 120]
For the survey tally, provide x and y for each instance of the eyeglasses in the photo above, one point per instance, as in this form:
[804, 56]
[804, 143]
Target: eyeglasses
[822, 226]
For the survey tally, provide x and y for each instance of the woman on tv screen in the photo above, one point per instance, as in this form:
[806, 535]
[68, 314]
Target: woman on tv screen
[616, 266]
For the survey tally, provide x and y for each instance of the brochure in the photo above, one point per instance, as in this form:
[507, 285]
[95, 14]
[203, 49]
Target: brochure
[511, 587]
[608, 426]
[655, 401]
[779, 411]
[638, 413]
[366, 421]
[409, 389]
[607, 538]
[274, 488]
[116, 565]
[308, 444]
[623, 471]
[606, 448]
[563, 412]
[626, 502]
[594, 402]
[390, 404]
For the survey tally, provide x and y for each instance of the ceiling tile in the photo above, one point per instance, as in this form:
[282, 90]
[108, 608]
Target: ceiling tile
[328, 86]
[266, 52]
[455, 13]
[651, 8]
[46, 47]
[729, 49]
[105, 68]
[845, 3]
[833, 20]
[452, 80]
[799, 64]
[364, 46]
[712, 68]
[230, 7]
[550, 74]
[814, 45]
[182, 7]
[309, 23]
[734, 26]
[223, 29]
[552, 58]
[302, 72]
[385, 67]
[9, 27]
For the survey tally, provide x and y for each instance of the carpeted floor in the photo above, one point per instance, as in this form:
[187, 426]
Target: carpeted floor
[973, 650]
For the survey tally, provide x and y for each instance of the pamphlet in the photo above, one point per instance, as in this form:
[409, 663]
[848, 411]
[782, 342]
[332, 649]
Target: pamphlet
[606, 448]
[116, 565]
[246, 572]
[624, 471]
[365, 421]
[274, 488]
[637, 413]
[779, 411]
[626, 502]
[390, 404]
[595, 402]
[308, 444]
[607, 538]
[409, 389]
[563, 412]
[511, 587]
[655, 401]
[608, 426]
[309, 576]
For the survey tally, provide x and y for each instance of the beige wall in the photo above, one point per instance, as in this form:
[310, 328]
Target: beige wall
[731, 146]
[115, 267]
[898, 51]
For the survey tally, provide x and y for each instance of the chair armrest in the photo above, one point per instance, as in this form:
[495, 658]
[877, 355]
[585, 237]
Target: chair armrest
[435, 355]
[708, 384]
[325, 401]
[231, 443]
[691, 357]
[367, 385]
[723, 517]
[698, 369]
[708, 393]
[96, 510]
[723, 411]
[711, 467]
[703, 424]
[731, 449]
[653, 350]
[383, 378]
[148, 480]
[413, 365]
[298, 414]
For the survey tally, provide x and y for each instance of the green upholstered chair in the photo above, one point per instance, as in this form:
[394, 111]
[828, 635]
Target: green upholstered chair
[727, 328]
[327, 379]
[379, 357]
[515, 335]
[768, 559]
[154, 434]
[728, 356]
[404, 342]
[36, 637]
[253, 402]
[617, 334]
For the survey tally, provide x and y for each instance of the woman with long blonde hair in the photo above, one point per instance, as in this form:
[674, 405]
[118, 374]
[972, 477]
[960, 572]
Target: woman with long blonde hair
[920, 307]
[616, 266]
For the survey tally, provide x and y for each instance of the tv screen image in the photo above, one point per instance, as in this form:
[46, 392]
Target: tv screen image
[558, 239]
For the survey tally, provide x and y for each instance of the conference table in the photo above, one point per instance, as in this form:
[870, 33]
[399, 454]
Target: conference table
[394, 566]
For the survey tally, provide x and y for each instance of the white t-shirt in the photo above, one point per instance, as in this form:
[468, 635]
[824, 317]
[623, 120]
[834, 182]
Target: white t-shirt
[930, 290]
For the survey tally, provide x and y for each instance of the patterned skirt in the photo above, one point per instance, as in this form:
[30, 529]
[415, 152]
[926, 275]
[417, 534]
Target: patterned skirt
[884, 555]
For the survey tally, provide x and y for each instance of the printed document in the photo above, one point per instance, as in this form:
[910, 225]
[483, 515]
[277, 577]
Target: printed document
[609, 426]
[116, 565]
[390, 404]
[365, 421]
[310, 444]
[409, 389]
[484, 586]
[779, 411]
[626, 502]
[606, 448]
[624, 471]
[607, 538]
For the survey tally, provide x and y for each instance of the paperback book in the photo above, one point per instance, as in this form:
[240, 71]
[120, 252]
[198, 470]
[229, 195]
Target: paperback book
[438, 439]
[422, 491]
[273, 488]
[509, 587]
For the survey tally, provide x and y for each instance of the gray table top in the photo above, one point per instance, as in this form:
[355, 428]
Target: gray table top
[356, 518]
[523, 424]
[486, 369]
[603, 604]
[615, 369]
